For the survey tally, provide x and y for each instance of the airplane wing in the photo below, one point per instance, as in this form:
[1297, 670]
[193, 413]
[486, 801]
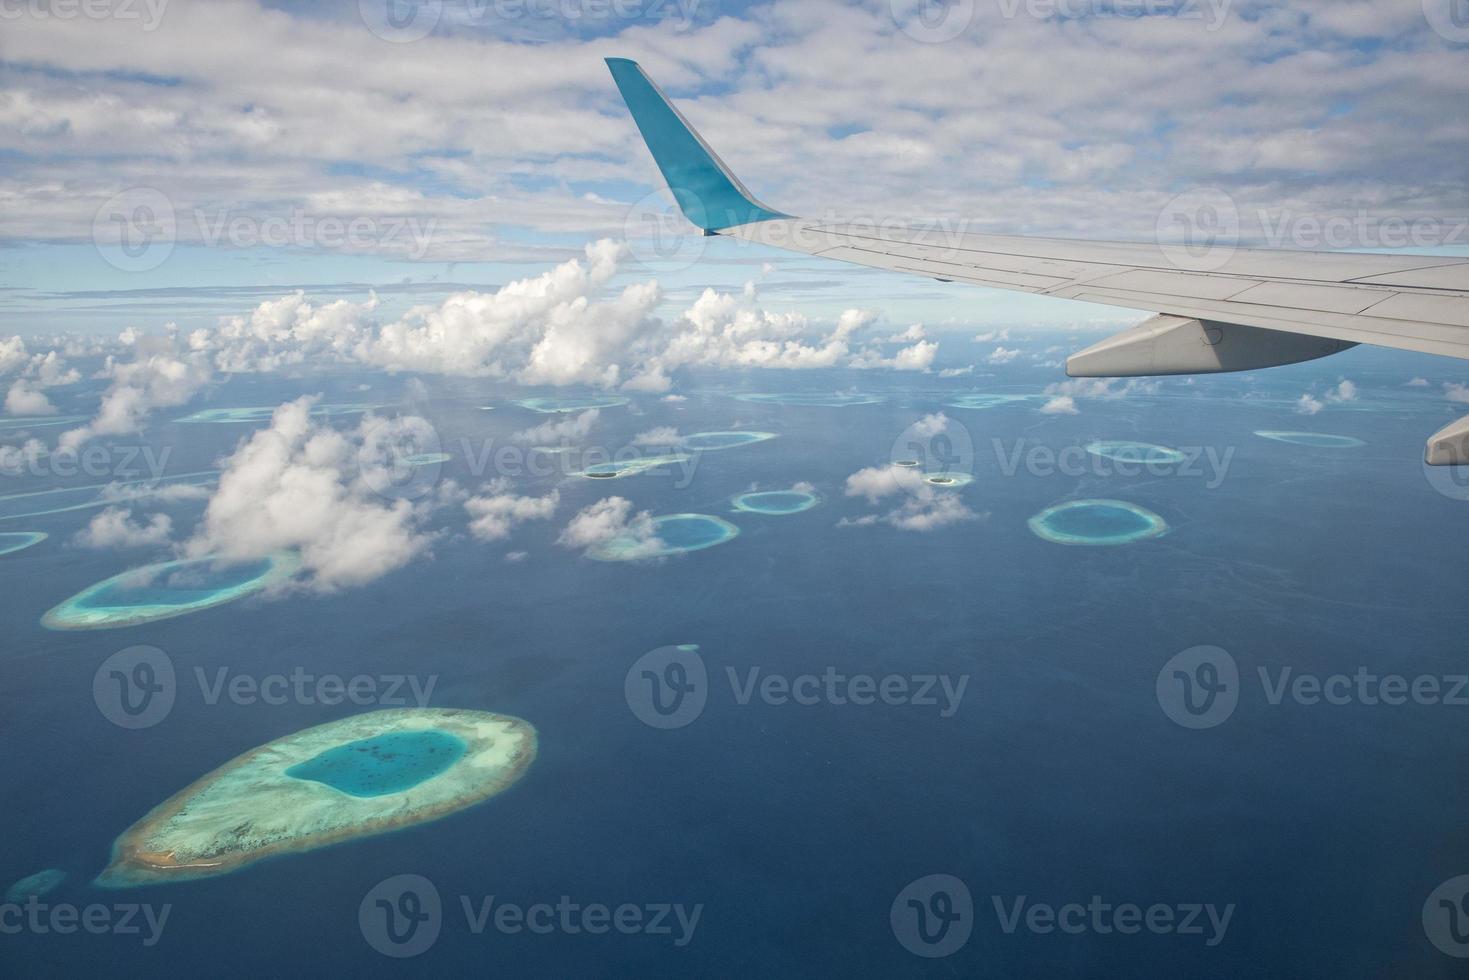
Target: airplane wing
[1219, 308]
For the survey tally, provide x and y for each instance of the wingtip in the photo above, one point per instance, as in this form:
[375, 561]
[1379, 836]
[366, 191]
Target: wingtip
[620, 63]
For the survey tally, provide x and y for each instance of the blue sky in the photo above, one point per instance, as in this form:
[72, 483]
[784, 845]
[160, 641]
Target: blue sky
[494, 146]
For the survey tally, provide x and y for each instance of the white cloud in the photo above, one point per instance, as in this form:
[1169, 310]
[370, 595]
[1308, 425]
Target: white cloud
[877, 482]
[1456, 392]
[24, 398]
[297, 485]
[114, 528]
[1002, 355]
[1345, 391]
[608, 518]
[956, 372]
[558, 431]
[1307, 405]
[140, 387]
[1060, 405]
[1418, 383]
[993, 336]
[914, 333]
[496, 511]
[931, 425]
[663, 435]
[929, 513]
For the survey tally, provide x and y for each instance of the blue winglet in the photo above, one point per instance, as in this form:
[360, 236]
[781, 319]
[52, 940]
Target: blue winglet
[708, 194]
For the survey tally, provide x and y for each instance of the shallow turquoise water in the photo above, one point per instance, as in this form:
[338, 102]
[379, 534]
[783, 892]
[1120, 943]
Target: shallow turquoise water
[38, 503]
[1097, 522]
[571, 404]
[13, 541]
[985, 401]
[165, 590]
[776, 502]
[812, 400]
[383, 764]
[1134, 452]
[675, 533]
[1316, 440]
[183, 587]
[722, 440]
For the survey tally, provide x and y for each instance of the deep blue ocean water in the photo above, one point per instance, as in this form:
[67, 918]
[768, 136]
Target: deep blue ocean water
[1058, 777]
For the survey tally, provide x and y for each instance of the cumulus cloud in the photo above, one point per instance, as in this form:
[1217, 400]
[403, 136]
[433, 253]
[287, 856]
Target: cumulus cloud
[929, 513]
[1418, 383]
[297, 485]
[1002, 355]
[877, 482]
[496, 511]
[663, 435]
[115, 528]
[1456, 392]
[957, 372]
[608, 518]
[993, 336]
[558, 431]
[24, 398]
[914, 333]
[1308, 405]
[1060, 405]
[925, 509]
[931, 425]
[138, 388]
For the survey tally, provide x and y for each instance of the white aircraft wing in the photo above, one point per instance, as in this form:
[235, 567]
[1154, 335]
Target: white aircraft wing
[1219, 308]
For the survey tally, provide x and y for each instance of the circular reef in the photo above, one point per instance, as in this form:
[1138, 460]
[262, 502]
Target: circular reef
[631, 467]
[166, 590]
[776, 502]
[813, 400]
[671, 534]
[550, 406]
[13, 541]
[263, 413]
[38, 884]
[1097, 522]
[985, 401]
[948, 480]
[1134, 452]
[364, 775]
[37, 503]
[1316, 440]
[722, 440]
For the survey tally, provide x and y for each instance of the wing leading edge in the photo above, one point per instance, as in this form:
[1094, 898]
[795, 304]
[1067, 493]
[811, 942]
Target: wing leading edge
[1220, 309]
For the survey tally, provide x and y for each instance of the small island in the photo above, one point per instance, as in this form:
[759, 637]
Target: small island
[166, 590]
[364, 775]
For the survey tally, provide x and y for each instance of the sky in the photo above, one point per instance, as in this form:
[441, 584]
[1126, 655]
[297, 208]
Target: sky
[414, 150]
